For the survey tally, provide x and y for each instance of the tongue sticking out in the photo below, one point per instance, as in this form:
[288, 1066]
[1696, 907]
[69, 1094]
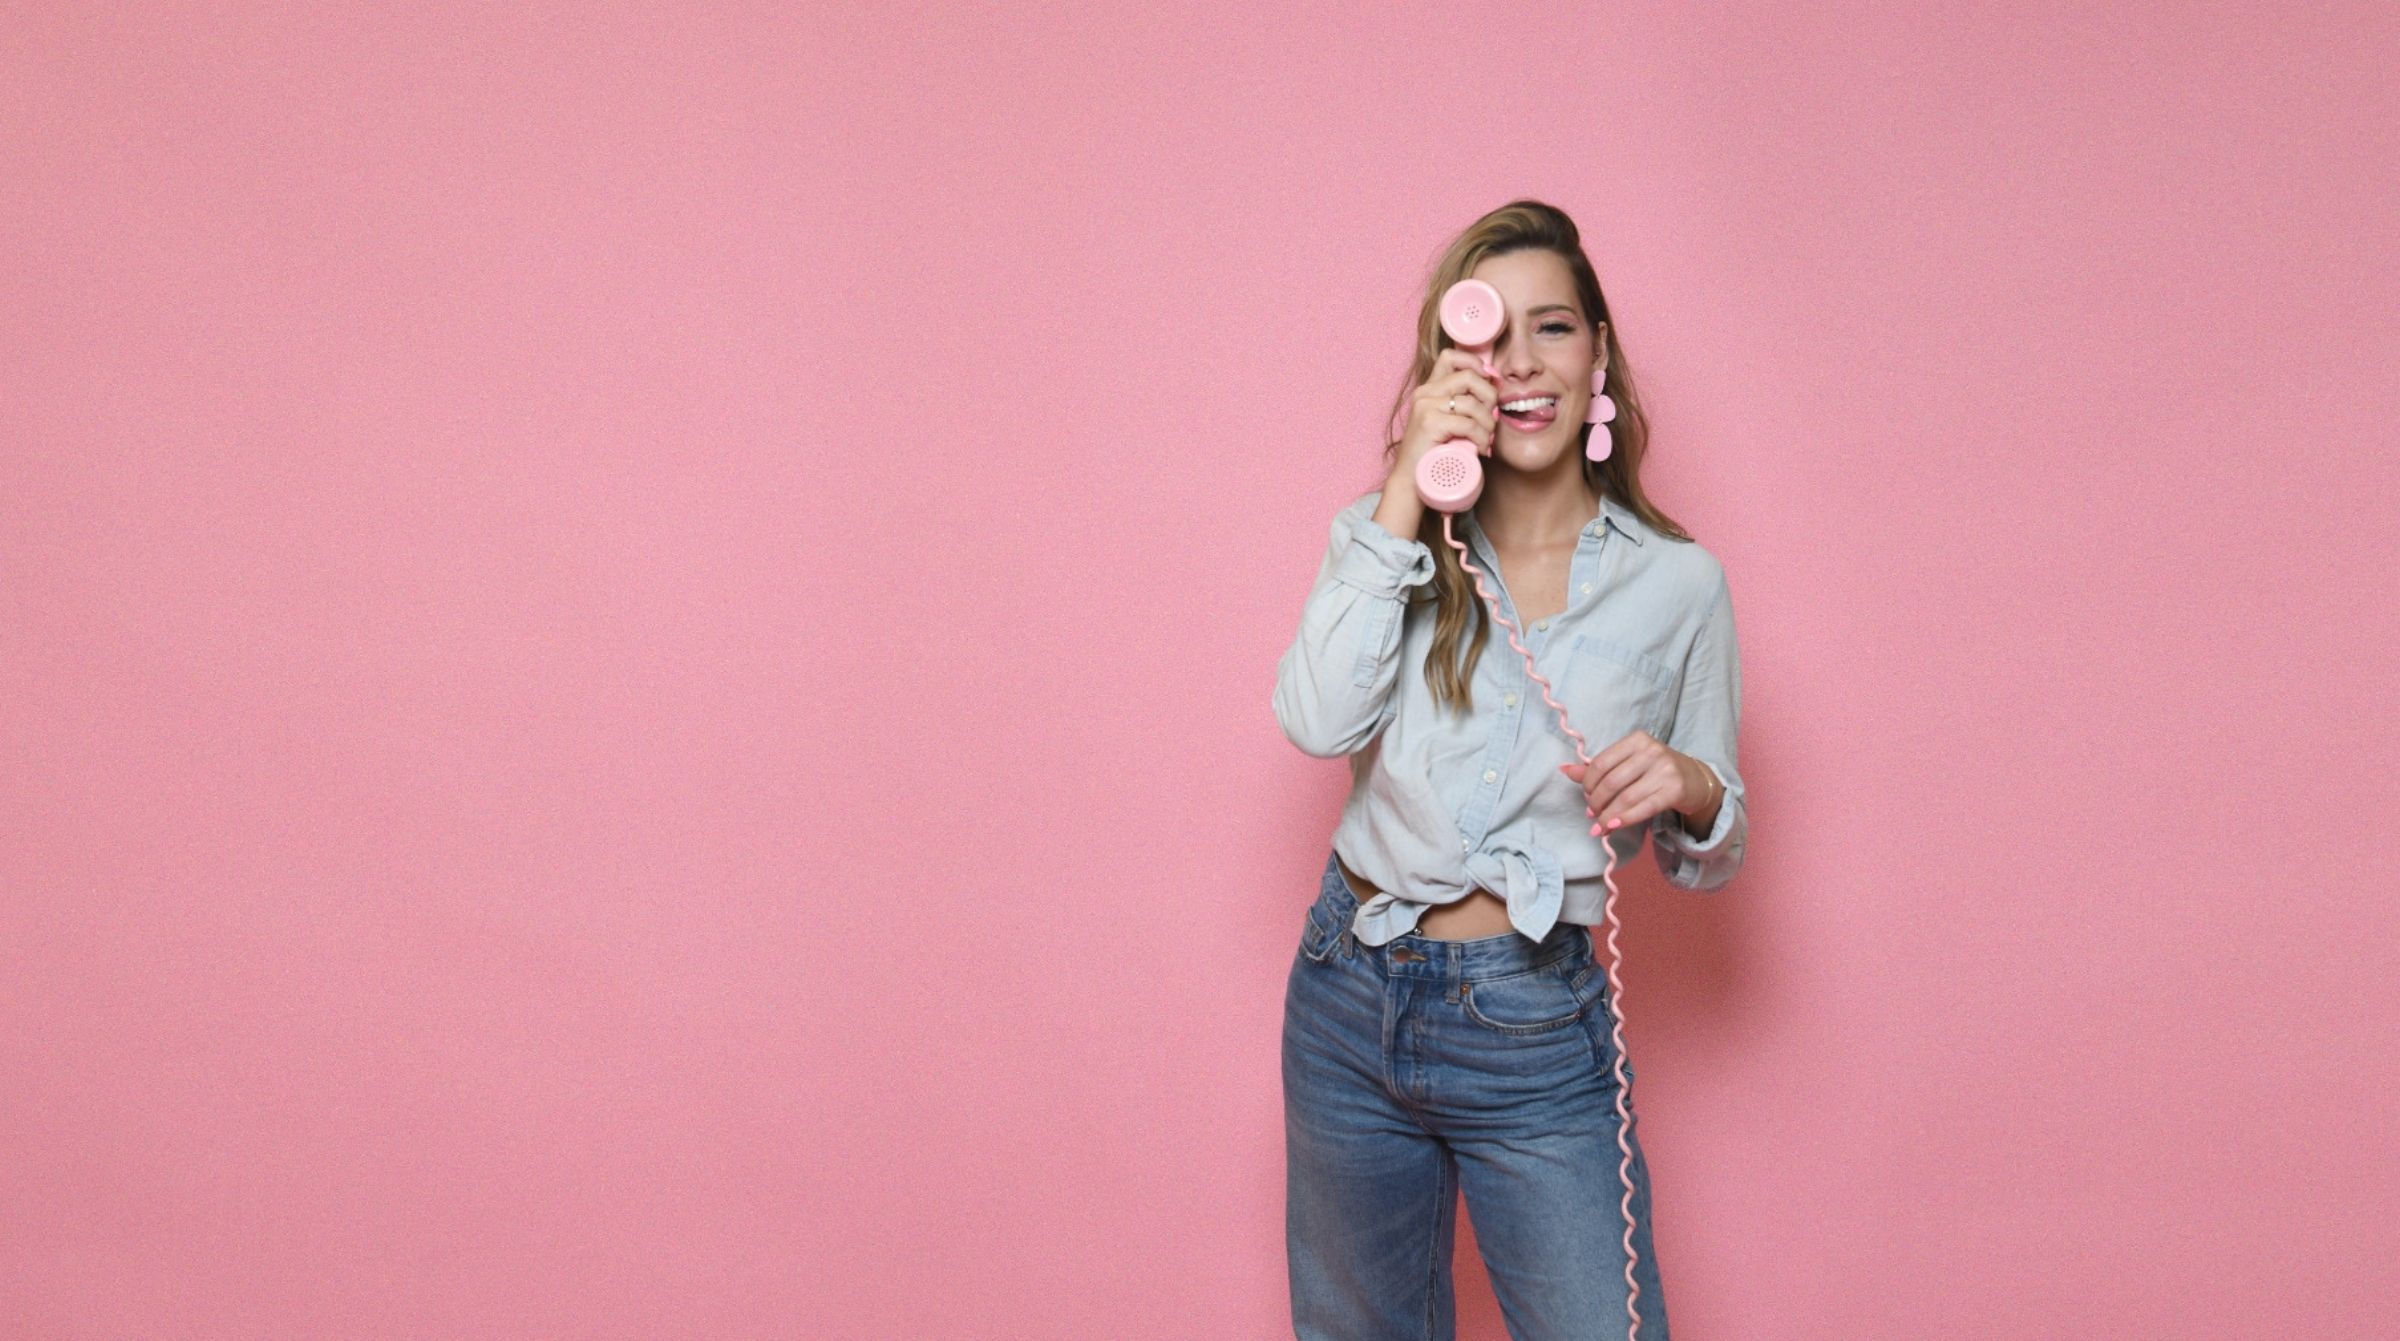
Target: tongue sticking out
[1532, 419]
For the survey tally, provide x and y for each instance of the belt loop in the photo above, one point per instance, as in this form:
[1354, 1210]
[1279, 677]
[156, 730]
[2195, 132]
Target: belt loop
[1458, 968]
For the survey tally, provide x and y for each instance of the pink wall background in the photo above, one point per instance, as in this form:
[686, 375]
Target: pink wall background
[634, 652]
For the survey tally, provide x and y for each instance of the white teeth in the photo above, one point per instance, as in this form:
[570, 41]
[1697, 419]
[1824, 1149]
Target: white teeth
[1537, 402]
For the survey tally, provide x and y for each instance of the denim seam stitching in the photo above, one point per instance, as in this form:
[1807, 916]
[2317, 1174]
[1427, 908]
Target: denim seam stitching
[1443, 1194]
[1391, 1077]
[1592, 1035]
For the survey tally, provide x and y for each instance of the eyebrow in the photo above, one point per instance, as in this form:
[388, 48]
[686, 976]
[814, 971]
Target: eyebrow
[1550, 307]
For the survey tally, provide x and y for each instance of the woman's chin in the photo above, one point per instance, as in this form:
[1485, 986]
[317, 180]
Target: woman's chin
[1530, 451]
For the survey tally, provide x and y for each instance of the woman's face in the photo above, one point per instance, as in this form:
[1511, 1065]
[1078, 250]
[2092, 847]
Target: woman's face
[1547, 351]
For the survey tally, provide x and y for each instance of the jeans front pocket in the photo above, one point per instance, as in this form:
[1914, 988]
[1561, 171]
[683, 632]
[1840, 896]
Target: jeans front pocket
[1321, 934]
[1534, 1002]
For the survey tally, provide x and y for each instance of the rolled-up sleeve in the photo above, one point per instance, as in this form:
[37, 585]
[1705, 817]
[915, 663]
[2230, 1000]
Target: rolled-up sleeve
[1707, 717]
[1333, 683]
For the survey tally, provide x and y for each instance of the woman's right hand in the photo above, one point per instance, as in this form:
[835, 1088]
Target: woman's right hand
[1456, 380]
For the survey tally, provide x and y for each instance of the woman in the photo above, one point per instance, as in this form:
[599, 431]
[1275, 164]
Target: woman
[1447, 1027]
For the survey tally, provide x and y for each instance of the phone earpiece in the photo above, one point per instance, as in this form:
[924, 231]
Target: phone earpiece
[1473, 314]
[1450, 478]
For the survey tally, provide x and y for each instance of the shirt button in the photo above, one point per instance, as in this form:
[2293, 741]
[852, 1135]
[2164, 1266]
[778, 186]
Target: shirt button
[1491, 775]
[1510, 698]
[1462, 844]
[1587, 588]
[1541, 623]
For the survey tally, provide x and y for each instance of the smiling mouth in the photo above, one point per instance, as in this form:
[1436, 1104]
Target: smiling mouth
[1537, 416]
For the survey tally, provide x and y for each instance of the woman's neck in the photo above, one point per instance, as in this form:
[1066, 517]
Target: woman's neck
[1524, 512]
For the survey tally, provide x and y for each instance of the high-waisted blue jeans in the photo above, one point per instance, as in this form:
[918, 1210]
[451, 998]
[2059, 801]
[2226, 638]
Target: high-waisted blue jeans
[1416, 1070]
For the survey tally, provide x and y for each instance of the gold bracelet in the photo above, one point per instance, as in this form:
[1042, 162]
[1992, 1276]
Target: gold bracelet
[1712, 792]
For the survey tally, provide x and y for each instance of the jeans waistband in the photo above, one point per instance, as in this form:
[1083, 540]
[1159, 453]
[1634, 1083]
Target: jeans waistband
[1417, 955]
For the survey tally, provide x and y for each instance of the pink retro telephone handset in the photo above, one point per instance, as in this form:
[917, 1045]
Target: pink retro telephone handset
[1450, 479]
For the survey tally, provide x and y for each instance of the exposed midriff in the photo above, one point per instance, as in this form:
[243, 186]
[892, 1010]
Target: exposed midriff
[1481, 913]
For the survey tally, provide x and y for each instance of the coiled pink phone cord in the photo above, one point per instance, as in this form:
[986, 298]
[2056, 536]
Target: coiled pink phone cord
[1608, 915]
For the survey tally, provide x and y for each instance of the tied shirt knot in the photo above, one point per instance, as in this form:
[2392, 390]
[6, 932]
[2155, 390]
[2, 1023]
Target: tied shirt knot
[1530, 880]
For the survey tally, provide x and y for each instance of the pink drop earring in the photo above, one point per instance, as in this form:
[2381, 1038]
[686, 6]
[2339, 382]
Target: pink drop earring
[1600, 443]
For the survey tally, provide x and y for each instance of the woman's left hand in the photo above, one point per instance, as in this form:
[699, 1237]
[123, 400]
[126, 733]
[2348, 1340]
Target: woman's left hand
[1634, 779]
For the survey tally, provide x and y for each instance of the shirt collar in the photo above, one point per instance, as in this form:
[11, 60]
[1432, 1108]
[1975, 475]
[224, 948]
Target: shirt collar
[1620, 516]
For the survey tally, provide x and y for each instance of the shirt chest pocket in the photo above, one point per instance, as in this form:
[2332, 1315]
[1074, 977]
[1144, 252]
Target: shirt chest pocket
[1611, 689]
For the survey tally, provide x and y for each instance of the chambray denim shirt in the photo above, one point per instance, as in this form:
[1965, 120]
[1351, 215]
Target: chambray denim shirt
[1442, 802]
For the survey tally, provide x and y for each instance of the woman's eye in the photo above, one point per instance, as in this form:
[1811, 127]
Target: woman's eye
[1555, 326]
